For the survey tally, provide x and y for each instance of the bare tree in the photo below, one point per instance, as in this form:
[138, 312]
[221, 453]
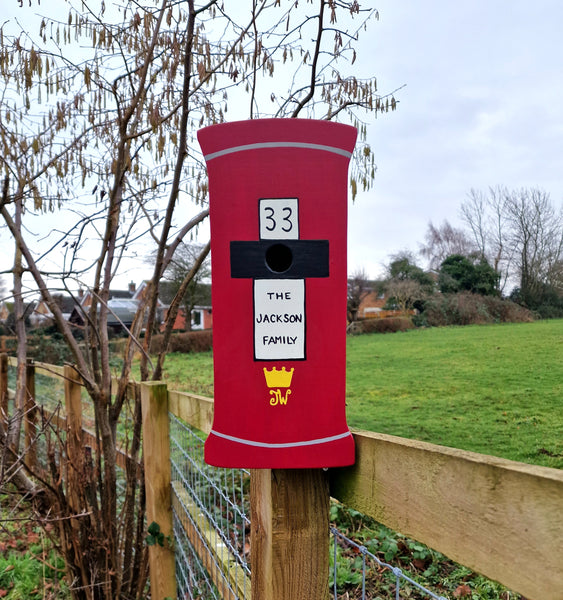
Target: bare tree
[485, 215]
[359, 287]
[443, 241]
[98, 114]
[404, 293]
[557, 276]
[537, 239]
[520, 233]
[407, 284]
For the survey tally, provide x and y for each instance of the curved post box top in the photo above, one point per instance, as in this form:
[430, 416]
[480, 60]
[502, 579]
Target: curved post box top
[226, 138]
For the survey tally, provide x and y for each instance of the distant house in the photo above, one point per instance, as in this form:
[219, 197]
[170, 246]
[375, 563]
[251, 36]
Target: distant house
[201, 318]
[122, 306]
[42, 314]
[198, 297]
[86, 297]
[202, 314]
[122, 311]
[372, 307]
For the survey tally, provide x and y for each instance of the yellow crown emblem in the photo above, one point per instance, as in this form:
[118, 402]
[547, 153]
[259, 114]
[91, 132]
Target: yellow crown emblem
[278, 379]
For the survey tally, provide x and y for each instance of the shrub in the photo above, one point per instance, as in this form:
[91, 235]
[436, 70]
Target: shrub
[48, 346]
[385, 325]
[117, 346]
[459, 273]
[192, 341]
[550, 311]
[471, 309]
[506, 311]
[546, 303]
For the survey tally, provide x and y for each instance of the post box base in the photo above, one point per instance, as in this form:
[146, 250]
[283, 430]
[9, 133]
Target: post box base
[222, 450]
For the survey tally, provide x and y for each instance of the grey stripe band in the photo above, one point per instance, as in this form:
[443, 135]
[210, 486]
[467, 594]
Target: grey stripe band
[261, 145]
[325, 440]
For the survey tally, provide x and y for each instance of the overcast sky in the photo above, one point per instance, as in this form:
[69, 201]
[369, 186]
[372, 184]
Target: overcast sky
[483, 105]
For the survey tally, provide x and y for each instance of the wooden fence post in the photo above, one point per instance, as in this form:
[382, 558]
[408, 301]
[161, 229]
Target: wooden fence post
[30, 417]
[289, 534]
[156, 454]
[4, 389]
[74, 437]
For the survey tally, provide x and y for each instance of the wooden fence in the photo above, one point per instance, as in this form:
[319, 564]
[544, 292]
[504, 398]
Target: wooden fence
[501, 518]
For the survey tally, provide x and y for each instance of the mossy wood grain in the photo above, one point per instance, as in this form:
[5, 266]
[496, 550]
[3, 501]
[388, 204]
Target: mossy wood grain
[289, 534]
[195, 410]
[156, 452]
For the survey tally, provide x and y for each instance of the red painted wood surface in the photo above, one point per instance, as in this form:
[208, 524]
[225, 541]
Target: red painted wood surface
[263, 418]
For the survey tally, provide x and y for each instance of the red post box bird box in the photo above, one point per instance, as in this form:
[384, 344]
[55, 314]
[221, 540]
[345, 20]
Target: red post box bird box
[278, 215]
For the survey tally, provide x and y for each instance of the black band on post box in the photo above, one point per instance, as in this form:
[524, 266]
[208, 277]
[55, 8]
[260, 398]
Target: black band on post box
[279, 259]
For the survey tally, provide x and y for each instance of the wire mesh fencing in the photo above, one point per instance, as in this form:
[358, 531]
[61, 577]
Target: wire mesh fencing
[211, 509]
[211, 521]
[400, 585]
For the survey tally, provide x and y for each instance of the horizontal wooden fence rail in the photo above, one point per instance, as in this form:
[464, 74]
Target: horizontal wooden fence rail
[195, 410]
[58, 417]
[501, 518]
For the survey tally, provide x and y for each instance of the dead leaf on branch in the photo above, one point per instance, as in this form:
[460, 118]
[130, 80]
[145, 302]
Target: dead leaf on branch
[201, 70]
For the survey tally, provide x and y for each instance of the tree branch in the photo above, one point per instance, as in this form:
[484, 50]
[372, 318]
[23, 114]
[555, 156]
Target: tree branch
[46, 295]
[311, 92]
[174, 308]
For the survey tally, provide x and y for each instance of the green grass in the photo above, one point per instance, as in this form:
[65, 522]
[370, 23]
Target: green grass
[30, 567]
[190, 372]
[494, 389]
[30, 575]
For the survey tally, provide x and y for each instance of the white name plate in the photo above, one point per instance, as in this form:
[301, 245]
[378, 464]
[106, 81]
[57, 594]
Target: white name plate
[279, 319]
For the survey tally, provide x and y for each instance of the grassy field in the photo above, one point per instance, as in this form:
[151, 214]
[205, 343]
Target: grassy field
[492, 389]
[495, 389]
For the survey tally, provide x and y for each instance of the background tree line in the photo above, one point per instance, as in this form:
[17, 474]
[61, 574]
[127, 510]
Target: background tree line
[510, 246]
[519, 234]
